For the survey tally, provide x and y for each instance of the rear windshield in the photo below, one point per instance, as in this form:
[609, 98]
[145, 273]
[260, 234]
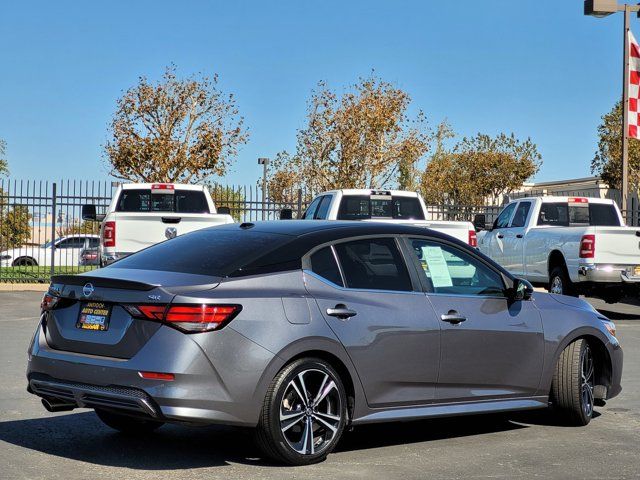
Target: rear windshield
[565, 214]
[363, 207]
[182, 201]
[212, 251]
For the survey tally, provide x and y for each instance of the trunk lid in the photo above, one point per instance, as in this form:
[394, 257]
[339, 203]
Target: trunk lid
[109, 289]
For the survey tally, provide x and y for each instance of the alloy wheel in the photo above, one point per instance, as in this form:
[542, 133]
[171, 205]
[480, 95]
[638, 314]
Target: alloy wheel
[586, 381]
[310, 411]
[556, 285]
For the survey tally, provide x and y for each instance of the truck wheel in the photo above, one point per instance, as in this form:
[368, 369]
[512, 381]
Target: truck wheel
[25, 262]
[560, 283]
[573, 383]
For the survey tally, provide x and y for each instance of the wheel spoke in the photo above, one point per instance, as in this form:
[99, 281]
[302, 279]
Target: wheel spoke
[333, 428]
[304, 388]
[335, 418]
[324, 382]
[289, 420]
[323, 393]
[303, 398]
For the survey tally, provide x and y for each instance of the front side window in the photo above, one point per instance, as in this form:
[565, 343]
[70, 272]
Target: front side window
[449, 270]
[373, 264]
[311, 209]
[503, 219]
[323, 264]
[522, 212]
[73, 242]
[323, 208]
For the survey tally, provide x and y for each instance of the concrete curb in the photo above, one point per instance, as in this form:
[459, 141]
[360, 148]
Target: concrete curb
[24, 287]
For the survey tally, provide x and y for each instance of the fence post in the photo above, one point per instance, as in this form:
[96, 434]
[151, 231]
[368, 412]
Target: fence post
[53, 226]
[299, 203]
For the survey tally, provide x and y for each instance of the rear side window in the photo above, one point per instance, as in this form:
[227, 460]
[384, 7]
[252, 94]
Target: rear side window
[373, 264]
[212, 251]
[323, 263]
[554, 214]
[364, 207]
[182, 201]
[603, 215]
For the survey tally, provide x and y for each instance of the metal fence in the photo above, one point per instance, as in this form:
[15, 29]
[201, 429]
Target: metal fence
[42, 232]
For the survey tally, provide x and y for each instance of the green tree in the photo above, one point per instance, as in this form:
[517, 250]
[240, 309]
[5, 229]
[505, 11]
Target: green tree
[78, 227]
[607, 161]
[477, 167]
[226, 196]
[4, 168]
[15, 225]
[363, 138]
[175, 130]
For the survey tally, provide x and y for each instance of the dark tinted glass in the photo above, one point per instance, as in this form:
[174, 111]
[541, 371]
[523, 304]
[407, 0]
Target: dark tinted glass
[94, 242]
[308, 214]
[503, 219]
[554, 214]
[324, 264]
[363, 207]
[449, 270]
[182, 201]
[323, 208]
[522, 212]
[603, 215]
[205, 252]
[373, 264]
[579, 214]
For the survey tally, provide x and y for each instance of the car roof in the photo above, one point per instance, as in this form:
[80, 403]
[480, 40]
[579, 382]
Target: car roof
[552, 199]
[372, 191]
[180, 186]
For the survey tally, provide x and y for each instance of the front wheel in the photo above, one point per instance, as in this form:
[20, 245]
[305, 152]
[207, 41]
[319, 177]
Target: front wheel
[560, 283]
[574, 382]
[304, 413]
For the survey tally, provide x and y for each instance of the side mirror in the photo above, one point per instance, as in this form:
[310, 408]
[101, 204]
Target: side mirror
[286, 214]
[480, 221]
[522, 289]
[89, 213]
[224, 210]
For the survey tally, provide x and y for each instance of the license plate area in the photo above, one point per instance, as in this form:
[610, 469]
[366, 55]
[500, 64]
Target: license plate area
[94, 316]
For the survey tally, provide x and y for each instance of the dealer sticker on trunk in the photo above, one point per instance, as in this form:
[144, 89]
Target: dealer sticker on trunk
[94, 316]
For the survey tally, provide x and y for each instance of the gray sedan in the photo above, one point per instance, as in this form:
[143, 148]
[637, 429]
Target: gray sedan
[302, 329]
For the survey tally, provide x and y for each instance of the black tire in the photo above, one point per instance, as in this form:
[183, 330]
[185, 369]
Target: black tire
[25, 262]
[282, 399]
[560, 283]
[127, 424]
[571, 392]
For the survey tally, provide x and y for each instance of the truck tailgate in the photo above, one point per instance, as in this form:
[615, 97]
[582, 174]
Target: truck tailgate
[138, 230]
[617, 245]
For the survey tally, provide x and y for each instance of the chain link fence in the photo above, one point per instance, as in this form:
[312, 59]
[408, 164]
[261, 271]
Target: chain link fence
[42, 232]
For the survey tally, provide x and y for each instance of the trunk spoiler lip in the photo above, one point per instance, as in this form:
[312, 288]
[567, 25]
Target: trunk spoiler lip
[104, 282]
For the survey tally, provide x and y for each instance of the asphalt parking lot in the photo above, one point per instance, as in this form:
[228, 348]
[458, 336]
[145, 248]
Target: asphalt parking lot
[35, 444]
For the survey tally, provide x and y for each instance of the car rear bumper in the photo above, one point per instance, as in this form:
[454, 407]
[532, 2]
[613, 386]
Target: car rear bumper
[607, 273]
[200, 393]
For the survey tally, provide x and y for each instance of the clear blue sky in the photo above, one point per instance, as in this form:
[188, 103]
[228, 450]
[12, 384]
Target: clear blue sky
[535, 68]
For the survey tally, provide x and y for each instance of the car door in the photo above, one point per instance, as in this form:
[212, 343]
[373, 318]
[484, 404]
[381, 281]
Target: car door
[513, 241]
[491, 346]
[493, 241]
[374, 306]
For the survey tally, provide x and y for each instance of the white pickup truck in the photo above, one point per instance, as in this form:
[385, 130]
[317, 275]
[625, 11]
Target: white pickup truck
[573, 245]
[142, 214]
[384, 206]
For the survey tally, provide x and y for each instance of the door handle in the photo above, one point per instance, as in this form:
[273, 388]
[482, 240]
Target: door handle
[452, 317]
[519, 235]
[341, 311]
[500, 235]
[171, 219]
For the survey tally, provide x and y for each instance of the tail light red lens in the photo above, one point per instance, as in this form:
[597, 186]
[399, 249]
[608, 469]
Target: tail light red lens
[48, 302]
[167, 377]
[109, 234]
[188, 318]
[588, 246]
[473, 238]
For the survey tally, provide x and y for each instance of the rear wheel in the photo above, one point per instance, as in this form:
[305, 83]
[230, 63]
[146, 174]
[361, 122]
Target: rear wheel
[560, 283]
[25, 262]
[573, 383]
[304, 413]
[127, 424]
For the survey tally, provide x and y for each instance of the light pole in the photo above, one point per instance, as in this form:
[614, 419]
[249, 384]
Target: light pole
[265, 163]
[603, 8]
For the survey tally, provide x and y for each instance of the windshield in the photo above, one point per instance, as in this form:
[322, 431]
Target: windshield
[182, 201]
[364, 207]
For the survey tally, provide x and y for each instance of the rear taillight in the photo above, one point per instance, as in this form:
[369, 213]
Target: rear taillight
[48, 302]
[109, 234]
[588, 246]
[188, 318]
[473, 238]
